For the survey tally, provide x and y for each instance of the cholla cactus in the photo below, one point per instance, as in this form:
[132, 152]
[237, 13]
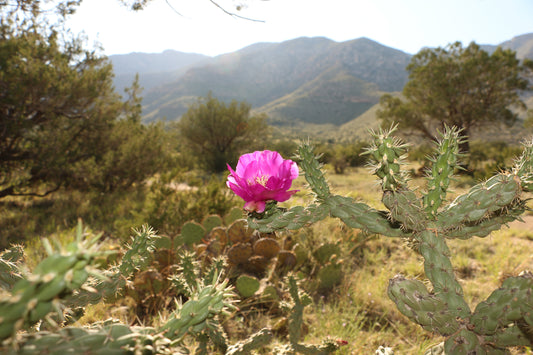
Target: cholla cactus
[10, 273]
[506, 317]
[62, 272]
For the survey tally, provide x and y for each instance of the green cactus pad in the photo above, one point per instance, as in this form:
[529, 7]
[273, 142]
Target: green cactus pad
[415, 302]
[270, 294]
[324, 253]
[162, 242]
[211, 221]
[192, 232]
[247, 285]
[215, 248]
[301, 253]
[329, 276]
[234, 214]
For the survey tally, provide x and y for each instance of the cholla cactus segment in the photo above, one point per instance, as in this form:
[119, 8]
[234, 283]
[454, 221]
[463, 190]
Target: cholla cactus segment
[206, 302]
[507, 337]
[513, 301]
[139, 253]
[414, 300]
[107, 338]
[312, 171]
[523, 166]
[359, 215]
[255, 341]
[439, 270]
[466, 342]
[486, 226]
[189, 270]
[10, 271]
[294, 218]
[387, 154]
[14, 254]
[405, 207]
[495, 194]
[444, 164]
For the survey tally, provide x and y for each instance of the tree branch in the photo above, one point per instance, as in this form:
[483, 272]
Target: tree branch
[10, 191]
[234, 14]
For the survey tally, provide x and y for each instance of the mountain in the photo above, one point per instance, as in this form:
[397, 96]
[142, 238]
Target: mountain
[522, 45]
[329, 86]
[154, 69]
[310, 80]
[334, 96]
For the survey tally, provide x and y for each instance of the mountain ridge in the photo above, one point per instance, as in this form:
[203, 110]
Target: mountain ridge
[265, 73]
[306, 80]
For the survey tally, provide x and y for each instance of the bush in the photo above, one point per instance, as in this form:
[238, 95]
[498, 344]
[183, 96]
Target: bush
[170, 204]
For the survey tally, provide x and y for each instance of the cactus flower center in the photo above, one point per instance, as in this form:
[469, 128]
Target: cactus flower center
[260, 177]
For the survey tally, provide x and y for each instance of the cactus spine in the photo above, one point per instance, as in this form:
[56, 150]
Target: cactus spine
[504, 319]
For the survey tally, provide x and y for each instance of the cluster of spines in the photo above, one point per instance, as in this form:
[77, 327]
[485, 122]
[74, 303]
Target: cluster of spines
[194, 316]
[312, 171]
[444, 163]
[139, 252]
[387, 154]
[523, 166]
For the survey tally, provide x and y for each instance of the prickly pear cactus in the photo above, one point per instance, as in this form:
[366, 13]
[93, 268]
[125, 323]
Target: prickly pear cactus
[427, 221]
[246, 251]
[327, 266]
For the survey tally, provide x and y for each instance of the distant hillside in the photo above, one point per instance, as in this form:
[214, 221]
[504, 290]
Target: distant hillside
[154, 69]
[285, 78]
[522, 45]
[334, 96]
[305, 81]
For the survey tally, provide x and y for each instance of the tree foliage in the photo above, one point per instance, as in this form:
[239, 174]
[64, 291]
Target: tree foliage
[61, 122]
[218, 133]
[455, 86]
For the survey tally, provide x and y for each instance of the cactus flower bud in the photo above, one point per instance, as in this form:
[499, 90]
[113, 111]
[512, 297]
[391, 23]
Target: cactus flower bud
[260, 177]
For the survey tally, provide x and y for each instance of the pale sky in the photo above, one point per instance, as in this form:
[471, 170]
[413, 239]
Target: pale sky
[407, 25]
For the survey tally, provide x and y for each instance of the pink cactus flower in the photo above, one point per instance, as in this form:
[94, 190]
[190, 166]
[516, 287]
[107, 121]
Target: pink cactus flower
[261, 177]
